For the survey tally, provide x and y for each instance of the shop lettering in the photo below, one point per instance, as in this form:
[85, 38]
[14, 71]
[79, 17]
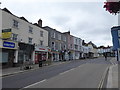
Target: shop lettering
[8, 44]
[41, 48]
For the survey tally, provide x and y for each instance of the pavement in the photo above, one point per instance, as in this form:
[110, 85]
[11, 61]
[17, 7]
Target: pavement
[112, 80]
[15, 70]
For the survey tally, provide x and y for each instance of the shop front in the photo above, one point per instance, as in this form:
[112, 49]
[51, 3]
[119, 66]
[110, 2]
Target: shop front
[42, 54]
[70, 53]
[55, 55]
[26, 52]
[9, 52]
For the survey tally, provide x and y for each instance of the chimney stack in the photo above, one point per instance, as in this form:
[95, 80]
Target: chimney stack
[40, 22]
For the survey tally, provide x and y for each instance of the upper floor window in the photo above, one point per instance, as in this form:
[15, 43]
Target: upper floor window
[41, 33]
[53, 34]
[30, 40]
[30, 29]
[53, 45]
[76, 41]
[14, 37]
[60, 46]
[71, 46]
[41, 43]
[79, 41]
[64, 46]
[76, 47]
[15, 23]
[59, 37]
[64, 38]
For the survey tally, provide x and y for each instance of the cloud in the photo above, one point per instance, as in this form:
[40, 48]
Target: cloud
[60, 20]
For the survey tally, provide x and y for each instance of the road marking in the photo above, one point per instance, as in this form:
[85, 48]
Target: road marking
[67, 71]
[103, 78]
[109, 79]
[34, 84]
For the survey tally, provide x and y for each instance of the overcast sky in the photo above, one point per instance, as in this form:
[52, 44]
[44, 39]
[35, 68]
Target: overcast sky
[86, 20]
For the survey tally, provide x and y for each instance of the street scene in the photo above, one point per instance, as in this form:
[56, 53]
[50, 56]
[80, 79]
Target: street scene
[59, 44]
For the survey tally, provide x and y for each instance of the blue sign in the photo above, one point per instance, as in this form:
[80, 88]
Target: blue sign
[115, 37]
[9, 44]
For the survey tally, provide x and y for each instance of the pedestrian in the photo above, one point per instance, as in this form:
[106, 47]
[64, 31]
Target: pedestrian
[40, 63]
[105, 55]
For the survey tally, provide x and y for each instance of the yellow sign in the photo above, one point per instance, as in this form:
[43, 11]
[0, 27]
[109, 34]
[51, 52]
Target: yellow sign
[6, 35]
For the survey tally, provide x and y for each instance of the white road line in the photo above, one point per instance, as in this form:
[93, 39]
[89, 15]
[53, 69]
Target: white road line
[34, 84]
[67, 71]
[109, 79]
[103, 78]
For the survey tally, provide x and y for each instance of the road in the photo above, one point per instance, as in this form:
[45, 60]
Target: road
[74, 74]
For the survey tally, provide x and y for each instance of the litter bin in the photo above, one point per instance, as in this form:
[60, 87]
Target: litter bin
[40, 63]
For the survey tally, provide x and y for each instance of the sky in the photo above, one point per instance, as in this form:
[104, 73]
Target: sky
[86, 20]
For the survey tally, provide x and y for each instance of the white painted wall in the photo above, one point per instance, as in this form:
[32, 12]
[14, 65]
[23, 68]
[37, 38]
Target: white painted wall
[23, 30]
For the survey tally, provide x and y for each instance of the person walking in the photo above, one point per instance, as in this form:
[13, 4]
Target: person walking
[105, 55]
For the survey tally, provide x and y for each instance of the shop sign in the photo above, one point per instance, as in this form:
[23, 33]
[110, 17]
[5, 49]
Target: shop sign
[8, 44]
[49, 50]
[6, 33]
[41, 49]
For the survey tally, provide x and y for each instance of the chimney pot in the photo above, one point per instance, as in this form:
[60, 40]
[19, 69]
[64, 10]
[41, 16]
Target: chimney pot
[40, 22]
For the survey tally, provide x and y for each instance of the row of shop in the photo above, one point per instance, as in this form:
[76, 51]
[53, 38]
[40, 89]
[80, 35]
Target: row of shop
[14, 53]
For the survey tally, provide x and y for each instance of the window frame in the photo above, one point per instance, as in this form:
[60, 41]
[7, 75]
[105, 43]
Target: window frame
[41, 43]
[41, 33]
[15, 24]
[30, 41]
[30, 29]
[14, 37]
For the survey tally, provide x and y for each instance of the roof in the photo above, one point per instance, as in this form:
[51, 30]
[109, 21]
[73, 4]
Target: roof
[89, 43]
[103, 47]
[49, 28]
[22, 18]
[6, 10]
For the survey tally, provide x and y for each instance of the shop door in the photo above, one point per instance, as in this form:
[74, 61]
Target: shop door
[40, 57]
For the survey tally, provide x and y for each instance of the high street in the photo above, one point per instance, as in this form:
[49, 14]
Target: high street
[74, 74]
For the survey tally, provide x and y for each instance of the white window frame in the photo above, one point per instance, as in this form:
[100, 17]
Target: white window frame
[30, 40]
[30, 29]
[14, 37]
[41, 43]
[64, 38]
[41, 33]
[15, 24]
[59, 36]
